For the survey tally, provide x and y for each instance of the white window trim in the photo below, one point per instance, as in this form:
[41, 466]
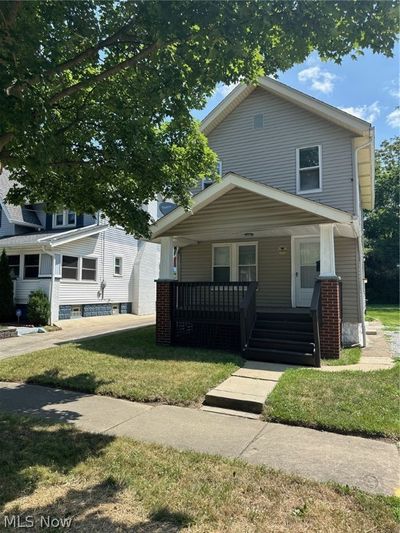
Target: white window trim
[234, 257]
[79, 267]
[65, 219]
[121, 266]
[80, 263]
[309, 191]
[20, 262]
[22, 266]
[96, 259]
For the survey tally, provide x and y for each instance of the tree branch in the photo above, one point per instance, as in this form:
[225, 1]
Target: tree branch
[105, 74]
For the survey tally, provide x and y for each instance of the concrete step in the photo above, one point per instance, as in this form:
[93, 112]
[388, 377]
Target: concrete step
[241, 394]
[229, 412]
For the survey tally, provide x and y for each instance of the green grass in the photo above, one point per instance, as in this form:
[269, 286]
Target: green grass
[389, 315]
[348, 356]
[113, 484]
[125, 365]
[365, 403]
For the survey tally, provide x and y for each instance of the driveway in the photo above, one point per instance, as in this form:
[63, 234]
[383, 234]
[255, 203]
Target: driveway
[79, 328]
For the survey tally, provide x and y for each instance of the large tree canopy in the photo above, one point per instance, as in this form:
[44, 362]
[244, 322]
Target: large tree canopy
[96, 96]
[382, 227]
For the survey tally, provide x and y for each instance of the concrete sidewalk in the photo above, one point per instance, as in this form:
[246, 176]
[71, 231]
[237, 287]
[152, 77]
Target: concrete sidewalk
[368, 464]
[72, 330]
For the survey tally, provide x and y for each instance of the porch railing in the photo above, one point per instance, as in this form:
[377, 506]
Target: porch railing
[316, 315]
[248, 314]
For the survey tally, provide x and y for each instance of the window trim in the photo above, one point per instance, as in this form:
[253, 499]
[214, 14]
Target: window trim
[121, 266]
[65, 224]
[234, 257]
[19, 266]
[298, 188]
[96, 269]
[78, 268]
[24, 266]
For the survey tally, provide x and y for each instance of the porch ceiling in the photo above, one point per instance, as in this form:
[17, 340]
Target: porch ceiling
[239, 212]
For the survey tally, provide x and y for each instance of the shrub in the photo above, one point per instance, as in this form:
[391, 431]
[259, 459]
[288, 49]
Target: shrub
[6, 291]
[38, 308]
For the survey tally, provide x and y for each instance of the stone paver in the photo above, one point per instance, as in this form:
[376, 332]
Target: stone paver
[73, 330]
[368, 464]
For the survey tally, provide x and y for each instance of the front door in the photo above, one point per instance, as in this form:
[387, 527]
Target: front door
[306, 255]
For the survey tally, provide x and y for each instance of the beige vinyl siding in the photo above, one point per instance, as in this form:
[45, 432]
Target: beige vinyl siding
[274, 269]
[239, 211]
[268, 155]
[346, 267]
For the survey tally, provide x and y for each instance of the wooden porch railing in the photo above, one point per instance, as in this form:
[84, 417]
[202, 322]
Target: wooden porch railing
[248, 314]
[316, 315]
[208, 300]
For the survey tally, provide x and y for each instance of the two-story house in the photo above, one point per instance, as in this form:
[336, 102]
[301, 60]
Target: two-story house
[84, 265]
[270, 258]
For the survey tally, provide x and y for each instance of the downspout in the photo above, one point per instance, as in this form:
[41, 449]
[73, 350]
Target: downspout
[360, 243]
[53, 275]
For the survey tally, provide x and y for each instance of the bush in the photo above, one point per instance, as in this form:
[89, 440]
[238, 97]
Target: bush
[6, 291]
[38, 308]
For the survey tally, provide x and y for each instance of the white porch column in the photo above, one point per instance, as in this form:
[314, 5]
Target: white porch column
[167, 258]
[327, 251]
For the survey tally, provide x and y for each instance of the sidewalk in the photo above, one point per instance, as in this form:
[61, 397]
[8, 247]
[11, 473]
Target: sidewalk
[368, 464]
[72, 330]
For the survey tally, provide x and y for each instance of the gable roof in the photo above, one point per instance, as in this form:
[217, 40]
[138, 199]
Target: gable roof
[21, 215]
[360, 128]
[230, 181]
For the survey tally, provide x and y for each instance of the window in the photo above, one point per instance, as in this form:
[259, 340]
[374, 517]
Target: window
[117, 266]
[64, 218]
[31, 266]
[89, 269]
[258, 121]
[13, 263]
[309, 169]
[69, 267]
[208, 181]
[222, 263]
[235, 262]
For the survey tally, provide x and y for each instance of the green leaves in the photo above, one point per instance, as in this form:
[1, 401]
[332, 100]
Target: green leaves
[96, 96]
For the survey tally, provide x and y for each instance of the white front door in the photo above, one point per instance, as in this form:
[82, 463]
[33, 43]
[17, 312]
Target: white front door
[306, 255]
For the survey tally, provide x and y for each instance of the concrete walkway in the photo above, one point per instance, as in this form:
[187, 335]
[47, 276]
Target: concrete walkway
[80, 328]
[368, 464]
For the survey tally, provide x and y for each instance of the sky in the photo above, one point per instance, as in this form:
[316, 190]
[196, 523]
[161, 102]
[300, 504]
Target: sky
[367, 87]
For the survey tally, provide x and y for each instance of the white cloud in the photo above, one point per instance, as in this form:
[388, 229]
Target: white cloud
[321, 80]
[366, 112]
[223, 89]
[393, 118]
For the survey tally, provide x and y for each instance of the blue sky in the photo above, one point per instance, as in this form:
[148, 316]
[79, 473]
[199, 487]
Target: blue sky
[367, 87]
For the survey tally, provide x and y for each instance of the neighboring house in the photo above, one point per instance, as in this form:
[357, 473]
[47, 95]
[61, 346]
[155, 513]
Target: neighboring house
[85, 266]
[286, 217]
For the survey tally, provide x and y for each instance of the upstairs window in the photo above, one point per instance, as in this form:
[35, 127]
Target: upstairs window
[69, 267]
[207, 182]
[309, 169]
[13, 263]
[31, 266]
[64, 218]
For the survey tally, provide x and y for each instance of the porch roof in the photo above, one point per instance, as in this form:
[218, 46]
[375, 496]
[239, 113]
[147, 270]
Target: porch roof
[239, 208]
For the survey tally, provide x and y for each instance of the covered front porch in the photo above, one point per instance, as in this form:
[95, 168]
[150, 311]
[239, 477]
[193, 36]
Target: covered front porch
[250, 263]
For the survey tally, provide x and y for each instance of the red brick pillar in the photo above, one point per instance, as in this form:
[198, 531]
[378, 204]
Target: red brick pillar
[330, 328]
[164, 312]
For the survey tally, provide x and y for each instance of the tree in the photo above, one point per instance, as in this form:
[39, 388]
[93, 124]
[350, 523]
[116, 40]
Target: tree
[6, 290]
[96, 95]
[382, 227]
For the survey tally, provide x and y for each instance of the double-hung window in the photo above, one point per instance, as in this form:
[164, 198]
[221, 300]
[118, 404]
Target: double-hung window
[31, 266]
[64, 218]
[309, 169]
[235, 262]
[117, 266]
[70, 267]
[89, 269]
[13, 263]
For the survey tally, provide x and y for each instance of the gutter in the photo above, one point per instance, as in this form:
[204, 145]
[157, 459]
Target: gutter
[53, 277]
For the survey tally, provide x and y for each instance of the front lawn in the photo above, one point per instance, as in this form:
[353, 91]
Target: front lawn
[389, 315]
[351, 401]
[112, 484]
[348, 356]
[125, 365]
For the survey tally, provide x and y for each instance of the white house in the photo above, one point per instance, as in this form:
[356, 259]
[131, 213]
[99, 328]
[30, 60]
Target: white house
[85, 266]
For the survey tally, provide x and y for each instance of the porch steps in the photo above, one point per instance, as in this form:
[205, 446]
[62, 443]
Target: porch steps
[282, 338]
